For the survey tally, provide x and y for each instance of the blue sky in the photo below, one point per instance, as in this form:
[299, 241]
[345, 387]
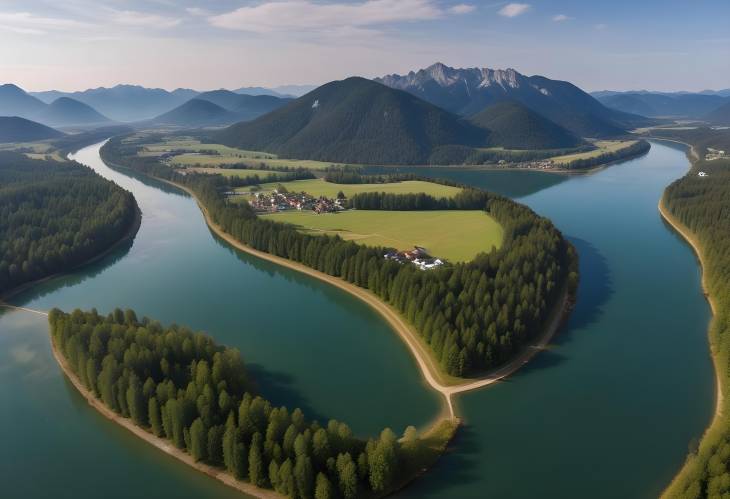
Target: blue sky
[77, 44]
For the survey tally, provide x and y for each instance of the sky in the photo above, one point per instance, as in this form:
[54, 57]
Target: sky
[664, 45]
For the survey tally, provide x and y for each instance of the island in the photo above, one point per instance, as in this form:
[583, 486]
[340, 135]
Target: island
[56, 215]
[193, 399]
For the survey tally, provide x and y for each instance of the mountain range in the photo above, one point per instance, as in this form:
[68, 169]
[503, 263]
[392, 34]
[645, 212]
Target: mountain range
[220, 107]
[62, 111]
[362, 121]
[666, 105]
[469, 91]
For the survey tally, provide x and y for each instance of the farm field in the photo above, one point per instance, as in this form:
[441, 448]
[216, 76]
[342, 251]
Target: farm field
[319, 187]
[457, 236]
[196, 153]
[235, 172]
[603, 147]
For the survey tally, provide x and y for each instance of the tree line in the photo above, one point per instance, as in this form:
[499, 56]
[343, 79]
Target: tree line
[638, 148]
[474, 316]
[54, 216]
[183, 387]
[702, 205]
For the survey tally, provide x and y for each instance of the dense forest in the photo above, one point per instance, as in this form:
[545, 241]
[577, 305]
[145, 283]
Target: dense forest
[54, 216]
[702, 204]
[475, 316]
[182, 387]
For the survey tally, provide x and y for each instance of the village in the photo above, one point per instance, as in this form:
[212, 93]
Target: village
[418, 256]
[713, 154]
[282, 200]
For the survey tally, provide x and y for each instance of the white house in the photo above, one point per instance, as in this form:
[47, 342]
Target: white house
[702, 174]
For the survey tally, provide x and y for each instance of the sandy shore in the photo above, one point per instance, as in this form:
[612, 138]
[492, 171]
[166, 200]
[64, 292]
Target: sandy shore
[688, 236]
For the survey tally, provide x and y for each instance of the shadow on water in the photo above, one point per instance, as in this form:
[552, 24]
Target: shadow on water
[594, 290]
[280, 389]
[75, 277]
[460, 464]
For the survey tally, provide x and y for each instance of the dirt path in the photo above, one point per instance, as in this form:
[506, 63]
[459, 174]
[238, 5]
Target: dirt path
[429, 370]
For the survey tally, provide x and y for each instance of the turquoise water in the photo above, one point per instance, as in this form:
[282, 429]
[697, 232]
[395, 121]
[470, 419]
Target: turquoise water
[608, 411]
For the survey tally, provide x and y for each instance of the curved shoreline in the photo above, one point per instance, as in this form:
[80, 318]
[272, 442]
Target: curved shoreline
[691, 239]
[155, 441]
[429, 371]
[129, 235]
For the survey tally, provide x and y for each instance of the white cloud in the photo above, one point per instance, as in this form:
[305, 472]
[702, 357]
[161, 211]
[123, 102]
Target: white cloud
[307, 15]
[31, 24]
[514, 9]
[462, 8]
[197, 11]
[561, 17]
[142, 19]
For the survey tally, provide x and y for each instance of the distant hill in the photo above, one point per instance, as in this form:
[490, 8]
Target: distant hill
[126, 102]
[355, 121]
[515, 126]
[14, 101]
[675, 105]
[260, 91]
[295, 90]
[16, 129]
[196, 112]
[247, 107]
[469, 91]
[65, 111]
[720, 116]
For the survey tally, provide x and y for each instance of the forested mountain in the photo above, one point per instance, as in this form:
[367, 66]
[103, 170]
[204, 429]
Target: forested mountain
[515, 126]
[15, 129]
[355, 121]
[54, 216]
[184, 388]
[196, 112]
[678, 105]
[260, 91]
[65, 111]
[719, 116]
[14, 101]
[126, 102]
[469, 91]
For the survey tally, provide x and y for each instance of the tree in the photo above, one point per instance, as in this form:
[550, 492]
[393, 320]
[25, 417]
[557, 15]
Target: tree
[198, 440]
[347, 474]
[256, 462]
[324, 488]
[155, 420]
[304, 476]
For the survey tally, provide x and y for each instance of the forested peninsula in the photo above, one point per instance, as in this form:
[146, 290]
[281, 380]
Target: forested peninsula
[56, 215]
[473, 316]
[698, 207]
[182, 388]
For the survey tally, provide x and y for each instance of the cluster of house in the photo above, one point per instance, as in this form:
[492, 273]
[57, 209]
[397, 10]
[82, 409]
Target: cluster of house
[418, 256]
[282, 201]
[713, 154]
[542, 164]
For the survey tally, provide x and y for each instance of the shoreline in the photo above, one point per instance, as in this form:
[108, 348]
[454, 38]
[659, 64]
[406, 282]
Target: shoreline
[691, 239]
[429, 370]
[129, 235]
[157, 442]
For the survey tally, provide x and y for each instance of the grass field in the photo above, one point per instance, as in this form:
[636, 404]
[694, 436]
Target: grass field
[603, 147]
[457, 236]
[192, 153]
[318, 187]
[235, 172]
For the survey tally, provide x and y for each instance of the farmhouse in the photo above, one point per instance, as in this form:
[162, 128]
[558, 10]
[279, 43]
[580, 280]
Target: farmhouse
[418, 256]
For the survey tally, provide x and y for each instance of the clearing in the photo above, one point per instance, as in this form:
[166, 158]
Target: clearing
[603, 147]
[319, 187]
[457, 236]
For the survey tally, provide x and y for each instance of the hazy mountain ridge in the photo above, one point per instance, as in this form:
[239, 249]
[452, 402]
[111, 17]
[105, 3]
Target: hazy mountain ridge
[16, 129]
[657, 104]
[469, 91]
